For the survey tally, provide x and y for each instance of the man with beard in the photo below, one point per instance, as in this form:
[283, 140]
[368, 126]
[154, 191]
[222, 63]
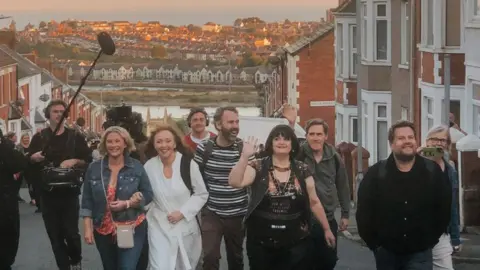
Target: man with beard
[68, 151]
[403, 205]
[11, 162]
[226, 206]
[198, 121]
[331, 183]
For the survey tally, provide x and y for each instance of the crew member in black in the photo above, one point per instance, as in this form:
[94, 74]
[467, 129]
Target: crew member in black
[283, 197]
[60, 205]
[403, 205]
[11, 162]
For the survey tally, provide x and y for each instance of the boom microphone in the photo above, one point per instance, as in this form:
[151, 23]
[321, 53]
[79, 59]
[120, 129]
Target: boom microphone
[106, 43]
[107, 46]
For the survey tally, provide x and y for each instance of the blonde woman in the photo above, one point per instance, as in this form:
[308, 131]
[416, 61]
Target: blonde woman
[439, 137]
[115, 191]
[174, 238]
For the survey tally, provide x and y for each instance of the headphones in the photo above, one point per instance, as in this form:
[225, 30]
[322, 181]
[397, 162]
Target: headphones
[194, 111]
[52, 103]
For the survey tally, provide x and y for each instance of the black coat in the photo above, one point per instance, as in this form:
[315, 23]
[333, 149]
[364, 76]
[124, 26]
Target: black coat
[11, 162]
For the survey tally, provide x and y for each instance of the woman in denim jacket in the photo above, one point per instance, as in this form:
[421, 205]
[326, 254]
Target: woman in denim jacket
[439, 136]
[115, 191]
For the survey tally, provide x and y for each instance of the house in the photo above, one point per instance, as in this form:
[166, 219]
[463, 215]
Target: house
[471, 34]
[441, 33]
[305, 77]
[8, 91]
[211, 27]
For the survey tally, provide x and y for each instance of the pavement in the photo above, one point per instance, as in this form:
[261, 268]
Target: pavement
[35, 251]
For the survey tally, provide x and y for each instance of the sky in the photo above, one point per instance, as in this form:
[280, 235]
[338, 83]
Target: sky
[30, 5]
[178, 12]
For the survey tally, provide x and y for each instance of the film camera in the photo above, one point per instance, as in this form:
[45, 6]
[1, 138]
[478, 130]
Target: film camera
[123, 116]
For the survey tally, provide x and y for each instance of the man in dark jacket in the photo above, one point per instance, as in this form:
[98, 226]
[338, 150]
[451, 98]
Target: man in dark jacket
[403, 205]
[332, 187]
[11, 162]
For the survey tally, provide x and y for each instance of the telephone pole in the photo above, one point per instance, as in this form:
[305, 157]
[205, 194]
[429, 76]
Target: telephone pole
[359, 177]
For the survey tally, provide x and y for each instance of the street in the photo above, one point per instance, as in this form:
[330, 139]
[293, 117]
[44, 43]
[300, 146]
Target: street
[35, 252]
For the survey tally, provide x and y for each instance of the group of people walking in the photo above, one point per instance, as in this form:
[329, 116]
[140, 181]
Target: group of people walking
[172, 211]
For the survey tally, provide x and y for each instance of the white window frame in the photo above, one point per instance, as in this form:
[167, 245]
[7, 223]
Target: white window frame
[352, 30]
[430, 115]
[379, 119]
[364, 29]
[476, 110]
[339, 128]
[385, 18]
[340, 49]
[405, 34]
[404, 113]
[365, 124]
[426, 31]
[472, 13]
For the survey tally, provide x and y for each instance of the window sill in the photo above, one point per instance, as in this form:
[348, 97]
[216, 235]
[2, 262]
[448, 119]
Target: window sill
[431, 49]
[376, 63]
[404, 66]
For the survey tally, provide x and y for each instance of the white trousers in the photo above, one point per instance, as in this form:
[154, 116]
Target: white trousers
[442, 254]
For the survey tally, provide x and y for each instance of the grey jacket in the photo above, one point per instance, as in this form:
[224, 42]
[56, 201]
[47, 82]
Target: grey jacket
[331, 179]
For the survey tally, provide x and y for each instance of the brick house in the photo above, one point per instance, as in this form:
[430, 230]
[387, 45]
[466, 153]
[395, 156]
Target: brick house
[8, 88]
[305, 77]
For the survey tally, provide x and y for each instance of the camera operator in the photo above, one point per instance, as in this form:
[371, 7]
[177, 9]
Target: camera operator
[61, 169]
[11, 162]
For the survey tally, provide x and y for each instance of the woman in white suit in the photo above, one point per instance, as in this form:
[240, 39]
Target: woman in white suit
[179, 194]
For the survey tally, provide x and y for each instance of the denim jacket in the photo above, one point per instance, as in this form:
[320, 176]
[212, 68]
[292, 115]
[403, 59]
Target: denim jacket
[132, 178]
[454, 227]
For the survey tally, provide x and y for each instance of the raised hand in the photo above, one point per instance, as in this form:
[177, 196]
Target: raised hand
[250, 146]
[290, 113]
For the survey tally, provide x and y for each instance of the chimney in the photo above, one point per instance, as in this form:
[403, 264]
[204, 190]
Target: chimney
[8, 38]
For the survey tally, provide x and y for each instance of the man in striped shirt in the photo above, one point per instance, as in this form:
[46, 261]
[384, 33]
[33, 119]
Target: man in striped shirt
[226, 206]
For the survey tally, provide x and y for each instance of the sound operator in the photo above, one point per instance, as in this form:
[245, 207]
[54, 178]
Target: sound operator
[61, 168]
[11, 162]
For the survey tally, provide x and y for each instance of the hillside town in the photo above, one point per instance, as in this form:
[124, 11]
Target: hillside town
[396, 65]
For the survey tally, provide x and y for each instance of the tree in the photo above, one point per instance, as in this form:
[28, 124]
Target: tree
[159, 52]
[42, 25]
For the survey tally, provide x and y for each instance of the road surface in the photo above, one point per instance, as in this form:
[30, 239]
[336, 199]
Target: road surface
[35, 252]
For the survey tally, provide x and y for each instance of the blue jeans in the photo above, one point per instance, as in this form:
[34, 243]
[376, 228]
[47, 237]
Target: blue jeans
[387, 260]
[115, 258]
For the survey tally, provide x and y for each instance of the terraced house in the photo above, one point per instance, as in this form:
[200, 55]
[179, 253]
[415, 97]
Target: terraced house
[400, 74]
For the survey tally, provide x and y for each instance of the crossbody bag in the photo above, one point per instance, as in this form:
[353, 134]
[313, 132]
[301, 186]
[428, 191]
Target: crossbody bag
[125, 233]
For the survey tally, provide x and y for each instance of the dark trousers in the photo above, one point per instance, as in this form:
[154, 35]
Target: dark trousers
[143, 261]
[9, 232]
[287, 258]
[214, 228]
[60, 215]
[387, 260]
[324, 257]
[115, 258]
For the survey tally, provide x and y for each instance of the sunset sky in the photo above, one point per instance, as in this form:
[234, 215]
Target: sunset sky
[23, 5]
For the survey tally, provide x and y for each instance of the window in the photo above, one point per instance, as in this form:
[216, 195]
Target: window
[364, 31]
[429, 26]
[381, 32]
[476, 108]
[340, 49]
[382, 132]
[404, 113]
[477, 7]
[429, 106]
[365, 124]
[353, 130]
[405, 38]
[339, 128]
[353, 50]
[13, 127]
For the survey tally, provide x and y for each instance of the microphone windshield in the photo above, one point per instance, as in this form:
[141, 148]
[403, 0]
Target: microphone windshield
[106, 43]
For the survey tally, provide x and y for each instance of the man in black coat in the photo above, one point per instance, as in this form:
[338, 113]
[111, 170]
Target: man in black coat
[11, 162]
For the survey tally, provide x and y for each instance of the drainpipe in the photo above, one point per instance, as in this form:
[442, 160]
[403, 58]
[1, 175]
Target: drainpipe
[413, 51]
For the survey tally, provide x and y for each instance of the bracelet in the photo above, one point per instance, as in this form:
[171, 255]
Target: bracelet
[128, 204]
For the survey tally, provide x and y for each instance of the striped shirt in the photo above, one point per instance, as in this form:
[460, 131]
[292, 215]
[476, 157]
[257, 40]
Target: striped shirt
[223, 199]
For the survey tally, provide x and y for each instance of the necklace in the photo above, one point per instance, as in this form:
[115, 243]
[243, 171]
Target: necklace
[280, 191]
[281, 169]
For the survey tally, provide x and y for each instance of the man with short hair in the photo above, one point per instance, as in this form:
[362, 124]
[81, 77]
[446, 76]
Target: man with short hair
[198, 121]
[404, 205]
[68, 151]
[226, 206]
